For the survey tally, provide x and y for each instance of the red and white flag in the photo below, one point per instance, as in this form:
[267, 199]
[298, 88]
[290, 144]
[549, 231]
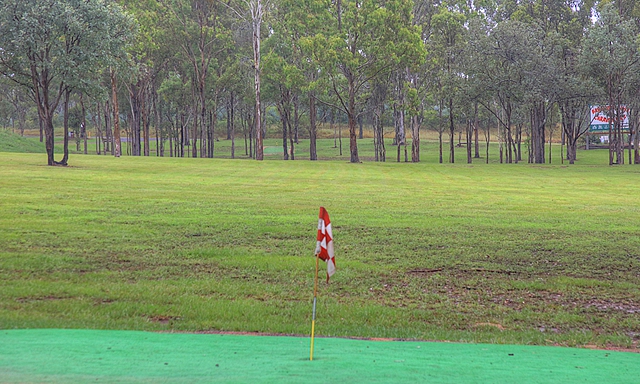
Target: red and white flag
[324, 246]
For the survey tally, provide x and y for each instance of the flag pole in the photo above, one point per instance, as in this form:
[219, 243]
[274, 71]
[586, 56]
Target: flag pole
[313, 317]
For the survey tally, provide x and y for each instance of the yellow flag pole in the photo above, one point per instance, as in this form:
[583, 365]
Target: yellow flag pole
[313, 317]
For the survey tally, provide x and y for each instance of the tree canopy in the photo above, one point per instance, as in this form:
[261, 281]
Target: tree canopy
[53, 47]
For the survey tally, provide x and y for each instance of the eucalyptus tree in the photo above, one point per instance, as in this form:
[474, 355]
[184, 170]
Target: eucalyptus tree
[365, 38]
[175, 91]
[50, 47]
[554, 79]
[573, 90]
[202, 35]
[149, 54]
[282, 81]
[6, 110]
[629, 10]
[295, 23]
[287, 70]
[232, 84]
[254, 12]
[634, 122]
[544, 71]
[446, 48]
[13, 105]
[610, 56]
[379, 90]
[501, 67]
[235, 82]
[422, 76]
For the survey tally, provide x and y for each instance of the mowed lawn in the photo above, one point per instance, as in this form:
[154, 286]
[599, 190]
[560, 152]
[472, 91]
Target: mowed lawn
[476, 253]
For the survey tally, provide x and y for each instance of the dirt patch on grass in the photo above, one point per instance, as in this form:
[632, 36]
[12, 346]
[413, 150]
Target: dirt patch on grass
[517, 300]
[41, 298]
[608, 305]
[493, 325]
[163, 319]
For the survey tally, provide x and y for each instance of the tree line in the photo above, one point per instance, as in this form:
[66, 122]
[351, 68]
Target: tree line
[184, 73]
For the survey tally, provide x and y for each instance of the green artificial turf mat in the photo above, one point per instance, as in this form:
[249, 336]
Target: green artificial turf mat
[63, 356]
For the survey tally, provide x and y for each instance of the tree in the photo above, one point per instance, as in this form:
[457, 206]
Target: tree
[52, 47]
[283, 80]
[367, 39]
[610, 55]
[573, 90]
[502, 68]
[284, 74]
[201, 37]
[447, 46]
[255, 12]
[13, 105]
[294, 22]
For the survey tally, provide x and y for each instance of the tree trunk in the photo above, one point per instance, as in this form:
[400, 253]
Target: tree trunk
[488, 142]
[134, 121]
[470, 129]
[160, 137]
[172, 131]
[339, 139]
[633, 124]
[440, 130]
[399, 110]
[415, 139]
[378, 99]
[313, 154]
[283, 119]
[229, 116]
[83, 129]
[518, 143]
[203, 117]
[296, 118]
[475, 132]
[116, 116]
[351, 115]
[233, 133]
[257, 21]
[65, 125]
[231, 128]
[452, 157]
[45, 110]
[538, 122]
[145, 121]
[194, 136]
[49, 138]
[212, 135]
[509, 137]
[333, 127]
[291, 139]
[376, 140]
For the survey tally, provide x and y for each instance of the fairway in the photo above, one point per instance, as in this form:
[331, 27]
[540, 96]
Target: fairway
[64, 356]
[501, 254]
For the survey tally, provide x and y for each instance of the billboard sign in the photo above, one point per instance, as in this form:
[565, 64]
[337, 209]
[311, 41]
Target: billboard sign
[601, 115]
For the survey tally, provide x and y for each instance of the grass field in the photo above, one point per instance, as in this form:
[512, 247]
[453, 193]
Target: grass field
[494, 253]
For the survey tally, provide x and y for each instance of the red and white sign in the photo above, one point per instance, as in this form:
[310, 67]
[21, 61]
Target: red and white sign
[603, 114]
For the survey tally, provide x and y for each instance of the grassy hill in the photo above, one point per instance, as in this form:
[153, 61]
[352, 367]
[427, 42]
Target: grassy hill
[11, 142]
[477, 253]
